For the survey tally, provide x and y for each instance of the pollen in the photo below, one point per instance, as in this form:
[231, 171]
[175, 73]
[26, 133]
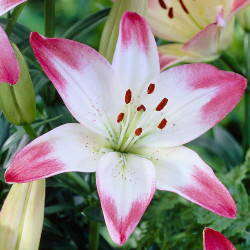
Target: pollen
[151, 88]
[128, 96]
[162, 4]
[171, 13]
[120, 117]
[162, 124]
[138, 131]
[141, 107]
[162, 104]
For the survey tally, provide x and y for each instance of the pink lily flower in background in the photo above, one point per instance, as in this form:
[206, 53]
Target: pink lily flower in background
[213, 240]
[6, 5]
[133, 123]
[9, 69]
[200, 29]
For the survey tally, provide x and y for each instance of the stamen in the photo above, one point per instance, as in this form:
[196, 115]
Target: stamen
[120, 117]
[171, 13]
[183, 6]
[138, 131]
[141, 107]
[128, 96]
[162, 4]
[151, 88]
[162, 124]
[162, 104]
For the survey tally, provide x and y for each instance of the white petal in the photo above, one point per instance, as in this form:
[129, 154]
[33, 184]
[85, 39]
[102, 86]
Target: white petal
[182, 171]
[199, 96]
[83, 78]
[70, 147]
[126, 185]
[136, 58]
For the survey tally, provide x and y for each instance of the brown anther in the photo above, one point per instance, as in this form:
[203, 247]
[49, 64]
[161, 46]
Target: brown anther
[162, 104]
[120, 117]
[141, 107]
[151, 88]
[171, 13]
[183, 6]
[162, 4]
[138, 131]
[162, 124]
[128, 96]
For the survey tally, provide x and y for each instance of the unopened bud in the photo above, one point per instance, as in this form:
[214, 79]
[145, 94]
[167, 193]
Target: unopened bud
[21, 217]
[18, 101]
[111, 29]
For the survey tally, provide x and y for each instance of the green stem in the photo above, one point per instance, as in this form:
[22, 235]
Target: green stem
[30, 131]
[247, 93]
[49, 15]
[13, 18]
[93, 235]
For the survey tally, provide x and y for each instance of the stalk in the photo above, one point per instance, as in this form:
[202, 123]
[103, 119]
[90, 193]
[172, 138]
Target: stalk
[13, 18]
[49, 15]
[93, 235]
[30, 131]
[49, 26]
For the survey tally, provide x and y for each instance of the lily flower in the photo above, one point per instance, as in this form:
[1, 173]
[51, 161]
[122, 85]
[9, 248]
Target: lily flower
[6, 5]
[9, 69]
[133, 123]
[213, 240]
[200, 29]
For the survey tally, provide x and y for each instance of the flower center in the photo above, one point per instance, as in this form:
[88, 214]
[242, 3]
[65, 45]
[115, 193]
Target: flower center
[134, 124]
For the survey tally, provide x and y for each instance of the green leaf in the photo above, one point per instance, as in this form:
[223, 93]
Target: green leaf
[50, 227]
[39, 79]
[94, 213]
[83, 27]
[58, 208]
[228, 143]
[20, 133]
[4, 130]
[19, 32]
[61, 110]
[223, 145]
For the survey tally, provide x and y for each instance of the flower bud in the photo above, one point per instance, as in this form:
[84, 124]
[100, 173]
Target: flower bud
[21, 217]
[243, 19]
[111, 29]
[18, 101]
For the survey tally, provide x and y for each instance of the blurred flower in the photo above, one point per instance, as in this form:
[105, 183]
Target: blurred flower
[9, 67]
[21, 217]
[213, 240]
[6, 5]
[244, 19]
[202, 29]
[133, 122]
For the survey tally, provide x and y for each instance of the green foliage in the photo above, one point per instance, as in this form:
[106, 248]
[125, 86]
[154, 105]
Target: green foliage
[171, 222]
